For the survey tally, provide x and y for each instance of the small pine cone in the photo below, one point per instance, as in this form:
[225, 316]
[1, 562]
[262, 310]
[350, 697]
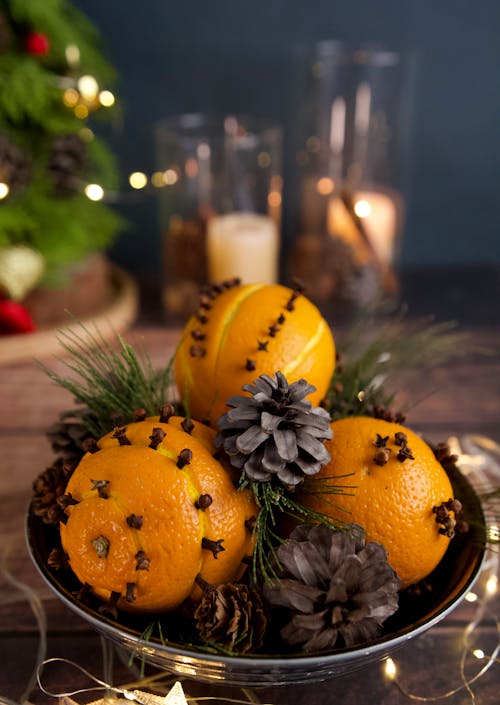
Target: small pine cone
[231, 615]
[15, 168]
[66, 162]
[338, 589]
[47, 488]
[274, 432]
[68, 435]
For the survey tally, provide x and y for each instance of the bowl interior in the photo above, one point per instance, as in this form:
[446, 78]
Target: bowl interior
[445, 588]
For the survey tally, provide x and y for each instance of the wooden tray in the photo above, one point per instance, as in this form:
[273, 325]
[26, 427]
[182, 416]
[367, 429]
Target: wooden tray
[116, 317]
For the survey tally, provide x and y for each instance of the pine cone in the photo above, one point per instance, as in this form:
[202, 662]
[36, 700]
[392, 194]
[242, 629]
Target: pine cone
[232, 616]
[15, 169]
[66, 163]
[47, 488]
[68, 435]
[275, 432]
[338, 589]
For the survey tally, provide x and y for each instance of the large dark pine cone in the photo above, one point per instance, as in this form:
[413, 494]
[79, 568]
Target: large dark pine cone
[66, 163]
[231, 615]
[47, 488]
[67, 436]
[15, 168]
[275, 432]
[339, 591]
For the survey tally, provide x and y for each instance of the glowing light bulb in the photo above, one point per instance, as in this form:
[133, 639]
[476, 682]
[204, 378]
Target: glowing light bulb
[325, 186]
[157, 179]
[106, 99]
[203, 150]
[81, 111]
[88, 87]
[494, 533]
[478, 653]
[4, 190]
[94, 192]
[70, 97]
[86, 134]
[263, 159]
[170, 177]
[72, 53]
[138, 179]
[471, 597]
[191, 168]
[274, 199]
[362, 208]
[390, 669]
[492, 585]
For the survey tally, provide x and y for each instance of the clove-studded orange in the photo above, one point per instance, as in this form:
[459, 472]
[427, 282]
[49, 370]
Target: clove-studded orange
[243, 331]
[151, 509]
[394, 484]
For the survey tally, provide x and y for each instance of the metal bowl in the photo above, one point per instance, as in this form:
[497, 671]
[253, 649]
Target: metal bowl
[452, 579]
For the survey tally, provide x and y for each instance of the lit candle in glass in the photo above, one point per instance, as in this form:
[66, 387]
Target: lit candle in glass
[377, 215]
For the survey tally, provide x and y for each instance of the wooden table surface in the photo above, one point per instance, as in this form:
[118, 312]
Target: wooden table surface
[462, 397]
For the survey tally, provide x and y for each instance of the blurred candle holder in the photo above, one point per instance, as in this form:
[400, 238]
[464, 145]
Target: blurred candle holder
[351, 150]
[220, 208]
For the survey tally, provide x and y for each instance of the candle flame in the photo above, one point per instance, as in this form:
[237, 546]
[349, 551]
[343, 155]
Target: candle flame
[362, 208]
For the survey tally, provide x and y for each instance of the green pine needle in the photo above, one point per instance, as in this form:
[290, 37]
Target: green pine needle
[110, 381]
[275, 503]
[375, 355]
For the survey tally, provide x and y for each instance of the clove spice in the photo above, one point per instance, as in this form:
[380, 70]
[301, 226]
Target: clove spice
[187, 425]
[121, 436]
[156, 437]
[101, 487]
[134, 521]
[214, 546]
[142, 561]
[185, 457]
[203, 502]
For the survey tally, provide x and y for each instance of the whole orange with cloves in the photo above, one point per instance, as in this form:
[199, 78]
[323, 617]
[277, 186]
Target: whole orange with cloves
[243, 331]
[393, 486]
[150, 510]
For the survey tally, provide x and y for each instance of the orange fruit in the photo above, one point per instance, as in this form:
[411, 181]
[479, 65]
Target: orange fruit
[242, 332]
[394, 501]
[153, 526]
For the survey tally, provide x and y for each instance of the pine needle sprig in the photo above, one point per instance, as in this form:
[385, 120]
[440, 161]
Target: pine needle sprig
[275, 503]
[109, 381]
[375, 355]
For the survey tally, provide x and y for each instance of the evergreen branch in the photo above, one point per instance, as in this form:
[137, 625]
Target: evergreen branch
[274, 504]
[374, 355]
[109, 381]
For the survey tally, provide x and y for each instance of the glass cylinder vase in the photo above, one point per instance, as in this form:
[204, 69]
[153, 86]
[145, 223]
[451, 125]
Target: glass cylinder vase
[220, 209]
[350, 177]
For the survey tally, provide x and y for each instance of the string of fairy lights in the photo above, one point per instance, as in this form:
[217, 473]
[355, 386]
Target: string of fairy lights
[83, 95]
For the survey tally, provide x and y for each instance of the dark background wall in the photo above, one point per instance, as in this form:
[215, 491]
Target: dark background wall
[234, 56]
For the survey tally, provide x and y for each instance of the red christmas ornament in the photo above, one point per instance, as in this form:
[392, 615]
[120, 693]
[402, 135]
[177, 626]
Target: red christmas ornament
[37, 44]
[14, 318]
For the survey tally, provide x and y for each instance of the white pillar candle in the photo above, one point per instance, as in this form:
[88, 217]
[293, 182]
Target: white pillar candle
[244, 245]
